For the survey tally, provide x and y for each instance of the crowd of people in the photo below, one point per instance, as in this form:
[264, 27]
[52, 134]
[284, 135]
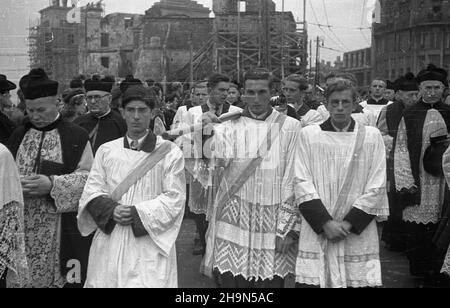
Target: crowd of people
[282, 180]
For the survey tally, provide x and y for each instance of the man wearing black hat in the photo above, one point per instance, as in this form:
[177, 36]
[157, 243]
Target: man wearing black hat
[421, 193]
[134, 202]
[389, 92]
[102, 123]
[6, 125]
[54, 158]
[388, 122]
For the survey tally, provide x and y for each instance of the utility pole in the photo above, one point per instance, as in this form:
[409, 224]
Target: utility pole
[191, 61]
[317, 79]
[282, 40]
[310, 58]
[238, 62]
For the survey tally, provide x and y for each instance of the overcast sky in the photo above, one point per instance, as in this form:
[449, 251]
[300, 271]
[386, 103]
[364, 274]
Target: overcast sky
[344, 17]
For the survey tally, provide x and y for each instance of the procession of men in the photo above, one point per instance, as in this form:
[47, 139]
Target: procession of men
[94, 192]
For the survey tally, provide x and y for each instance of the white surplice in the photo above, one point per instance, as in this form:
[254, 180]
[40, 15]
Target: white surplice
[366, 118]
[241, 238]
[120, 259]
[321, 164]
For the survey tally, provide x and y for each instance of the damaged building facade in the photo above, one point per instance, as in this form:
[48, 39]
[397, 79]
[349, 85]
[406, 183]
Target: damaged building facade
[173, 40]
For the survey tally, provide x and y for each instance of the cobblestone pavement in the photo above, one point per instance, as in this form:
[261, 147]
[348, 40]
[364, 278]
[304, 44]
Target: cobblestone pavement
[394, 265]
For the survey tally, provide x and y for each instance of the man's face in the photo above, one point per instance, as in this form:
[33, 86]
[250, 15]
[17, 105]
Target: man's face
[218, 94]
[172, 104]
[257, 96]
[292, 92]
[233, 95]
[432, 91]
[6, 105]
[42, 111]
[200, 96]
[98, 102]
[389, 94]
[137, 115]
[408, 98]
[341, 105]
[377, 88]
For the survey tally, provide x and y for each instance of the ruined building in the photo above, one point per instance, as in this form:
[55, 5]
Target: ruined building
[173, 40]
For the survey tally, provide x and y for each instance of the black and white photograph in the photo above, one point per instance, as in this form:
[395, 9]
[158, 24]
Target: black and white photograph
[225, 150]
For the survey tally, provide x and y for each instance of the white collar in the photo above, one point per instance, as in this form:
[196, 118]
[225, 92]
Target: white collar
[140, 140]
[344, 130]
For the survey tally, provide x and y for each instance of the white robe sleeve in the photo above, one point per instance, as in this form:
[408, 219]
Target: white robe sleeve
[382, 126]
[289, 214]
[313, 117]
[163, 215]
[402, 162]
[446, 165]
[67, 189]
[95, 187]
[303, 180]
[374, 199]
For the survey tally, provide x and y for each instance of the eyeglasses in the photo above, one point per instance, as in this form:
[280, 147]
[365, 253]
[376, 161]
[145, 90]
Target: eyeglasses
[95, 97]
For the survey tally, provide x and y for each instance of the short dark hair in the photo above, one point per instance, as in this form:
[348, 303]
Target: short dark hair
[201, 84]
[339, 86]
[302, 82]
[217, 78]
[259, 74]
[346, 76]
[171, 97]
[140, 93]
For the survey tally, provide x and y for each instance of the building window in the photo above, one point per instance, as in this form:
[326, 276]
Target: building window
[136, 40]
[104, 40]
[128, 22]
[105, 62]
[71, 39]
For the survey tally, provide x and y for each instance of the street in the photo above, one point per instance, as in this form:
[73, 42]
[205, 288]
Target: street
[394, 265]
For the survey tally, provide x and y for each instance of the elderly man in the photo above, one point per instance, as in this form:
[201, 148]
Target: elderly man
[250, 241]
[388, 122]
[102, 123]
[54, 158]
[340, 188]
[6, 125]
[134, 202]
[421, 192]
[294, 87]
[12, 241]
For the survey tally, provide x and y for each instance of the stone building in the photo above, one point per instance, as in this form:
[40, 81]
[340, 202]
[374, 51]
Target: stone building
[412, 34]
[359, 63]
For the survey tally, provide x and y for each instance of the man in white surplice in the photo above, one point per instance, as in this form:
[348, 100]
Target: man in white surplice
[248, 243]
[136, 218]
[340, 197]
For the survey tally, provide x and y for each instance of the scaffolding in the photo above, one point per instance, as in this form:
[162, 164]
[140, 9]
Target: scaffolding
[279, 44]
[55, 49]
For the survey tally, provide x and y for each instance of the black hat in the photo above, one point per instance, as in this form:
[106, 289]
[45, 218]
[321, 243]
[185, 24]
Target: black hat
[433, 73]
[391, 85]
[139, 92]
[407, 83]
[76, 83]
[6, 85]
[37, 84]
[97, 84]
[70, 93]
[129, 81]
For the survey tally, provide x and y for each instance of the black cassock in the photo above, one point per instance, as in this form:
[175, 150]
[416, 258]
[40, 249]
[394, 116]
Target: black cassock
[102, 130]
[6, 128]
